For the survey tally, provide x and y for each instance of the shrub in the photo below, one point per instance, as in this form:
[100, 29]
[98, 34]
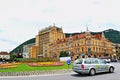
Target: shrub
[46, 59]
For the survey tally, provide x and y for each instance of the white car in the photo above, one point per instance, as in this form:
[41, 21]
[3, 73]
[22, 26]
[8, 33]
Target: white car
[92, 66]
[108, 60]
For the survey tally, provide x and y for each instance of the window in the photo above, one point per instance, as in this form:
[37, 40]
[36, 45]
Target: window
[88, 42]
[75, 44]
[82, 42]
[89, 49]
[101, 61]
[94, 61]
[76, 37]
[78, 61]
[82, 49]
[87, 61]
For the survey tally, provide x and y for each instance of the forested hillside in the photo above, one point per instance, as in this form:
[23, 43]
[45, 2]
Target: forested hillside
[113, 35]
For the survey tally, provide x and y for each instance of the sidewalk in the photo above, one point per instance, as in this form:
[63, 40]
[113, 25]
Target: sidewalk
[35, 72]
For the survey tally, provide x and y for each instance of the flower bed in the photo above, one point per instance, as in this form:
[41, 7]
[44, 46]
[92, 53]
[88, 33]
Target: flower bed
[46, 64]
[8, 65]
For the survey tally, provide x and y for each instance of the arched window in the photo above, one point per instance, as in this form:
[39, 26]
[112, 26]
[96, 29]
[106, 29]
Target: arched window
[88, 42]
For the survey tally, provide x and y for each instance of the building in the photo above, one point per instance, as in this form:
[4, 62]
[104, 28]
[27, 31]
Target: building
[117, 47]
[116, 51]
[4, 55]
[27, 50]
[46, 37]
[83, 45]
[32, 50]
[52, 41]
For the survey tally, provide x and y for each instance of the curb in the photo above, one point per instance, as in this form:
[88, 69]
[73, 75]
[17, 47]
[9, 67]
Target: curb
[26, 73]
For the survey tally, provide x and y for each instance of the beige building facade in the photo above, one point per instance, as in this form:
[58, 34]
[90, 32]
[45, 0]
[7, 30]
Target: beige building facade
[46, 37]
[52, 41]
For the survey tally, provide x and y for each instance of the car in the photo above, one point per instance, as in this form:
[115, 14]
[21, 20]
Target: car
[92, 66]
[114, 60]
[107, 59]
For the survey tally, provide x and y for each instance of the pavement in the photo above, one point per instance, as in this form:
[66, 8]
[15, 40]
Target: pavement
[38, 72]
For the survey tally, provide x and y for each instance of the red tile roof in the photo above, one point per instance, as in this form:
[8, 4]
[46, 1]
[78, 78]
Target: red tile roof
[78, 36]
[4, 53]
[98, 36]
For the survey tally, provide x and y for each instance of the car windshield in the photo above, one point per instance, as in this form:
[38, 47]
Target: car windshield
[78, 61]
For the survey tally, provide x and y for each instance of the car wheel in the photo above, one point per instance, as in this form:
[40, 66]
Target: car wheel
[92, 72]
[111, 70]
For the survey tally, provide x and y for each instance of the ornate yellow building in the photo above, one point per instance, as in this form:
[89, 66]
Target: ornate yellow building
[46, 37]
[51, 41]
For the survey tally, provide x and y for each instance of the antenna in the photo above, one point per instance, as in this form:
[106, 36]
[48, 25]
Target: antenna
[87, 25]
[53, 24]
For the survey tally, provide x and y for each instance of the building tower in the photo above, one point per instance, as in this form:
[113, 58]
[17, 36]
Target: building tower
[46, 37]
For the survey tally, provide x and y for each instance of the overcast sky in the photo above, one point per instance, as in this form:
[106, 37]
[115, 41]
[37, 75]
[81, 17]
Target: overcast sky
[20, 20]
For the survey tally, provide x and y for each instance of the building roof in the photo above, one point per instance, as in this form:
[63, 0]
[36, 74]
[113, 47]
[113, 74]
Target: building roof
[78, 36]
[4, 53]
[98, 36]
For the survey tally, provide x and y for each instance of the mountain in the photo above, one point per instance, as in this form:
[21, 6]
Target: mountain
[110, 34]
[19, 49]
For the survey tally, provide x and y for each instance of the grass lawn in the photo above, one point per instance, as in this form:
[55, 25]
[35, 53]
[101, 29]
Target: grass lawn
[25, 67]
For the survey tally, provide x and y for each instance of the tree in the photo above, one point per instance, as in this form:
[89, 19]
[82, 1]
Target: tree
[63, 54]
[13, 56]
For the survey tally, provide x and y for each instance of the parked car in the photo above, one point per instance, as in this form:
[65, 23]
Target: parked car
[114, 60]
[107, 59]
[92, 66]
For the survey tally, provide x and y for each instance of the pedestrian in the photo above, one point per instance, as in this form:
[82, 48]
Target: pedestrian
[69, 62]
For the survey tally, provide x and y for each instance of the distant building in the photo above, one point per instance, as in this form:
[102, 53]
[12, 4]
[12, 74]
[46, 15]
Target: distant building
[4, 55]
[117, 48]
[27, 50]
[52, 41]
[116, 51]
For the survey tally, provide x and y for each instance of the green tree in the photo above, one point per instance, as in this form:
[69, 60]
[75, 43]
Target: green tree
[13, 56]
[63, 54]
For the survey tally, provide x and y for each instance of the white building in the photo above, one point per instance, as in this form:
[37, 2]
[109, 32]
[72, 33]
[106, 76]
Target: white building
[4, 55]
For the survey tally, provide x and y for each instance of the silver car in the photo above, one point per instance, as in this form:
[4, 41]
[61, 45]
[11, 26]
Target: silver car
[92, 66]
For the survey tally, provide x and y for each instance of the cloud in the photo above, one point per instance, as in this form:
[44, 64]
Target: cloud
[7, 45]
[8, 41]
[1, 30]
[21, 20]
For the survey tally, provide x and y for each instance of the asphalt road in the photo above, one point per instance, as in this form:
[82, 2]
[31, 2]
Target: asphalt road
[70, 76]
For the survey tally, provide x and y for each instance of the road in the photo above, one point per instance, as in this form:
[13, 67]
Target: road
[70, 76]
